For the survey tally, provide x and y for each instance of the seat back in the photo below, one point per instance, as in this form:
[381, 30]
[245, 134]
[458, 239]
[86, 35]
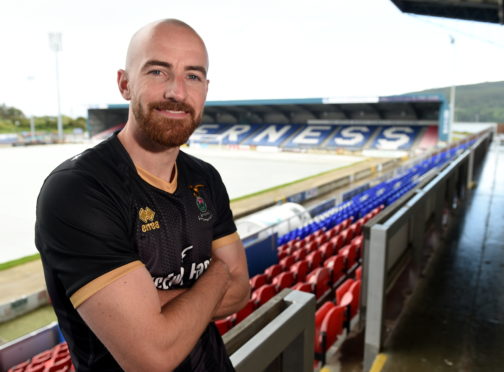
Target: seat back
[283, 280]
[300, 270]
[263, 294]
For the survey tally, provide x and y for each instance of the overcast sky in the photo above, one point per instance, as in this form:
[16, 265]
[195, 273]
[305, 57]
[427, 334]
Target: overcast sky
[258, 49]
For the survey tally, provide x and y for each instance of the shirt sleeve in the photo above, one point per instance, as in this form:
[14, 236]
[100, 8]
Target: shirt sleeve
[82, 229]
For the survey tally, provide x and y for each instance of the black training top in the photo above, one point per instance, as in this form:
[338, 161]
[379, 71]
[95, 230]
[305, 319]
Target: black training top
[98, 217]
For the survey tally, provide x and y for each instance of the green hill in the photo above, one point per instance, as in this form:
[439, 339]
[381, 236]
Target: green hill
[482, 102]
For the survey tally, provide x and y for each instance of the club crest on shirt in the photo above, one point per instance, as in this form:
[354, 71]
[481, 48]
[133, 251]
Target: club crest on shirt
[147, 215]
[205, 214]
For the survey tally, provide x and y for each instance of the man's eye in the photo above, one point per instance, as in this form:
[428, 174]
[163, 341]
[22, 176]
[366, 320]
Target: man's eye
[193, 77]
[155, 72]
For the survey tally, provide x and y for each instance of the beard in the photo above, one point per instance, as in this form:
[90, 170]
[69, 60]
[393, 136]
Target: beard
[164, 131]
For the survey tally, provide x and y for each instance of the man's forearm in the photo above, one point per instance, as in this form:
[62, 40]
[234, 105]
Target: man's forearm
[235, 298]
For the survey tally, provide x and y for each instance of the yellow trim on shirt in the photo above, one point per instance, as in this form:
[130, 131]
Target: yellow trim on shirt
[225, 240]
[157, 182]
[89, 289]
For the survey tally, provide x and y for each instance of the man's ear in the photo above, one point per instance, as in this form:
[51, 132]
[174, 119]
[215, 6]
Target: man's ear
[123, 84]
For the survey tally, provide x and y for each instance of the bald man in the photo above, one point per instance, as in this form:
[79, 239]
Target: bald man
[137, 239]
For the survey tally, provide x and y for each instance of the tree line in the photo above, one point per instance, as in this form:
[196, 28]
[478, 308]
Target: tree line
[13, 120]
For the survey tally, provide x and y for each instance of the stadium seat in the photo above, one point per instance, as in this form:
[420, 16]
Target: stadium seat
[346, 236]
[243, 313]
[300, 270]
[263, 294]
[284, 280]
[358, 242]
[322, 312]
[358, 273]
[321, 240]
[287, 262]
[312, 246]
[300, 254]
[19, 367]
[273, 271]
[326, 249]
[342, 289]
[61, 365]
[314, 259]
[223, 325]
[357, 227]
[42, 357]
[350, 253]
[337, 242]
[258, 281]
[304, 287]
[41, 367]
[336, 264]
[330, 328]
[321, 279]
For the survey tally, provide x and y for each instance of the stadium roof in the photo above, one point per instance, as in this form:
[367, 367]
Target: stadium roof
[408, 109]
[474, 10]
[412, 108]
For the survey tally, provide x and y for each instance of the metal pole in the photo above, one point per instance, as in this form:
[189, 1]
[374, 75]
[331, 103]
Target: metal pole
[55, 44]
[452, 93]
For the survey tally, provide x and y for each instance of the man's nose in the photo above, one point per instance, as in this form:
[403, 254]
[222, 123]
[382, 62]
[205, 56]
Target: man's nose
[176, 89]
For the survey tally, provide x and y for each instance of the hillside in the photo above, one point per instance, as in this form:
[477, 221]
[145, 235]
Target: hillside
[482, 102]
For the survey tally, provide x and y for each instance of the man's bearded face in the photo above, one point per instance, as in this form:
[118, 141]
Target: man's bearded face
[165, 131]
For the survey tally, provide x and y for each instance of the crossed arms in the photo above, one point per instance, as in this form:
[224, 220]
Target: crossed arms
[149, 330]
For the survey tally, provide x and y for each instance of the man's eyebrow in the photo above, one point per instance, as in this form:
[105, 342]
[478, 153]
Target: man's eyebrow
[154, 63]
[197, 68]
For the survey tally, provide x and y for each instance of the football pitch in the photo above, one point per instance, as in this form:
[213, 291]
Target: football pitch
[244, 172]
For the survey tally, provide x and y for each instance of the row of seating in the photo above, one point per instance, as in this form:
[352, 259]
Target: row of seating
[333, 318]
[315, 264]
[382, 194]
[56, 359]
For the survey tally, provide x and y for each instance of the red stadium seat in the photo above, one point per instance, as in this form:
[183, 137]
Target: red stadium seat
[342, 289]
[355, 291]
[346, 223]
[321, 278]
[358, 273]
[281, 255]
[37, 367]
[358, 242]
[357, 226]
[336, 264]
[312, 246]
[322, 312]
[61, 365]
[347, 235]
[273, 271]
[223, 325]
[304, 287]
[284, 280]
[314, 259]
[243, 313]
[309, 239]
[300, 253]
[263, 294]
[300, 270]
[327, 250]
[19, 367]
[42, 357]
[287, 262]
[330, 328]
[350, 254]
[337, 242]
[258, 281]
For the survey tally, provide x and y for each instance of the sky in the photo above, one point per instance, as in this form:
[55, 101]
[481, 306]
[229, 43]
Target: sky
[261, 49]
